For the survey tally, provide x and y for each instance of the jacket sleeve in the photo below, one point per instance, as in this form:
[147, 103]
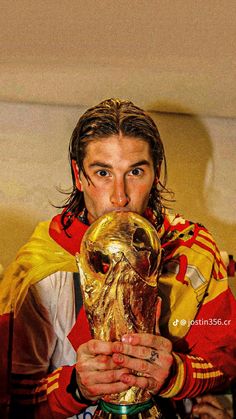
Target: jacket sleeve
[205, 360]
[48, 397]
[202, 317]
[192, 376]
[38, 390]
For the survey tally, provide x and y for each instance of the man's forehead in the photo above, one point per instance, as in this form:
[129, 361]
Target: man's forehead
[124, 142]
[115, 150]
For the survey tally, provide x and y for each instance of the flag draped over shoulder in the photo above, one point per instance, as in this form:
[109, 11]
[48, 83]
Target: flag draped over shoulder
[48, 250]
[38, 258]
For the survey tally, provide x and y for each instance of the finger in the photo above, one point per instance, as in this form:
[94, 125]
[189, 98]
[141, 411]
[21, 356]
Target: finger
[96, 347]
[148, 340]
[141, 352]
[138, 365]
[153, 356]
[99, 390]
[95, 363]
[94, 385]
[142, 382]
[89, 378]
[143, 339]
[144, 366]
[158, 314]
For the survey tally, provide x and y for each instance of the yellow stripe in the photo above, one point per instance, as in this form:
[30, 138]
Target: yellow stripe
[53, 387]
[53, 378]
[205, 375]
[210, 243]
[56, 371]
[41, 388]
[198, 358]
[198, 365]
[175, 389]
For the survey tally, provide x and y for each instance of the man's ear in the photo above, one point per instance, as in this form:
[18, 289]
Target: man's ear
[158, 171]
[76, 175]
[157, 175]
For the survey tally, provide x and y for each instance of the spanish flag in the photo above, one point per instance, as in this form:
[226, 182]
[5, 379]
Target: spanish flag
[48, 250]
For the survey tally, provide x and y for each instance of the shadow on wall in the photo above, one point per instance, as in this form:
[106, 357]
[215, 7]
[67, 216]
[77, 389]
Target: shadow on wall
[189, 151]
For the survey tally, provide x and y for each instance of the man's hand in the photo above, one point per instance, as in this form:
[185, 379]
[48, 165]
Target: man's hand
[141, 359]
[96, 372]
[148, 356]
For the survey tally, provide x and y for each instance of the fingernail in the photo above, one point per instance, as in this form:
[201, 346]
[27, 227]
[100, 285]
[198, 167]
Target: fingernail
[125, 379]
[117, 347]
[118, 358]
[126, 339]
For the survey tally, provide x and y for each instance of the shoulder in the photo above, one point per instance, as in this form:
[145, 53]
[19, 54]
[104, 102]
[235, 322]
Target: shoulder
[177, 228]
[192, 244]
[52, 289]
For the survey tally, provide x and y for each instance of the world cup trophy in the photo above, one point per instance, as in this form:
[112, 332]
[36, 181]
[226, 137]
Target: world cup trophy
[119, 269]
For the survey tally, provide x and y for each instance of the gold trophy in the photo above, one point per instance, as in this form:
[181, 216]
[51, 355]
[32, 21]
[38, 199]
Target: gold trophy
[119, 268]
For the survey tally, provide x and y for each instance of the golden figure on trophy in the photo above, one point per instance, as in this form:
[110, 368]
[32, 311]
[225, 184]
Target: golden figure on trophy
[119, 269]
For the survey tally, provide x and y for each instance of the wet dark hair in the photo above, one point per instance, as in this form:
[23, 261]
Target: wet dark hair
[114, 117]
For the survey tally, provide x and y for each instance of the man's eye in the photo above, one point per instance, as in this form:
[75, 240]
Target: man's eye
[136, 172]
[102, 173]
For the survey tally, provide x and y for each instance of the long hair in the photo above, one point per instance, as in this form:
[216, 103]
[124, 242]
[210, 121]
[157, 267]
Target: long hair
[113, 117]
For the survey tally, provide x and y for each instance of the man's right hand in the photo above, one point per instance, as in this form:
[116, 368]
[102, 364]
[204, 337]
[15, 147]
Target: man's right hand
[96, 373]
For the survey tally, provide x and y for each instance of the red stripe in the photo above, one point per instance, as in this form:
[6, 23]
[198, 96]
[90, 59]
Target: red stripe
[207, 238]
[218, 259]
[217, 275]
[204, 246]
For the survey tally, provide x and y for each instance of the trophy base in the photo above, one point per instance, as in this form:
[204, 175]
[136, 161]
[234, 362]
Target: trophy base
[147, 410]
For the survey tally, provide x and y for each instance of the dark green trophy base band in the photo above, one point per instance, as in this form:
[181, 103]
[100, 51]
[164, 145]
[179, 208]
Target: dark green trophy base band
[122, 409]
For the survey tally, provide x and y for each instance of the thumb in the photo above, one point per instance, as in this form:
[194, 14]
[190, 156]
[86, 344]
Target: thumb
[158, 314]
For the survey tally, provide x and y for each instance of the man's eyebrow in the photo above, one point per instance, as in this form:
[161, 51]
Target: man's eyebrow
[100, 164]
[109, 166]
[141, 163]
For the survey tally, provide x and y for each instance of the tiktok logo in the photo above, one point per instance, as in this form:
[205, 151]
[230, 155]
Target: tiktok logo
[176, 322]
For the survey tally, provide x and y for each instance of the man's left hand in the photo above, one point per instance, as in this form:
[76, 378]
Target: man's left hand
[148, 356]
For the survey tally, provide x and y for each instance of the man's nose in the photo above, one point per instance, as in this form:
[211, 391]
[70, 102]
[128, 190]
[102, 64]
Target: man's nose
[119, 197]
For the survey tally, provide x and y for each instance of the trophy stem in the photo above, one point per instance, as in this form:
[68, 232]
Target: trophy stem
[146, 410]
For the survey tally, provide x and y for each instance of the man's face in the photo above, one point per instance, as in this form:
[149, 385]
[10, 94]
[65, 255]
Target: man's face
[121, 176]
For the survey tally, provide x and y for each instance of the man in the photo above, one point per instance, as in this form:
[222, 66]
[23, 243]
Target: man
[57, 370]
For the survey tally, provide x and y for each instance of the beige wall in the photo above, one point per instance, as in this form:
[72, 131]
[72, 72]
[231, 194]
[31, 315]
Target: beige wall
[164, 53]
[201, 156]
